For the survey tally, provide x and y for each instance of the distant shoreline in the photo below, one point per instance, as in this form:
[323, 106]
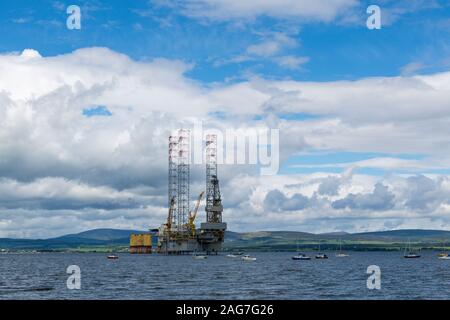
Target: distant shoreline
[114, 240]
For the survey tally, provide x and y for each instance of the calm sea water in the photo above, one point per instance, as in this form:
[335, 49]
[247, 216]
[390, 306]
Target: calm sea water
[272, 276]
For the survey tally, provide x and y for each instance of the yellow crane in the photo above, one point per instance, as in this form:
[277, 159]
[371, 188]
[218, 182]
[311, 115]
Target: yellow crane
[193, 214]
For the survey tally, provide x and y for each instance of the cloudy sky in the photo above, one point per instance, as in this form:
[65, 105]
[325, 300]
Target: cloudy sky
[364, 115]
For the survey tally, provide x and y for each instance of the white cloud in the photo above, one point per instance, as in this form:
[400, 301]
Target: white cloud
[111, 171]
[385, 163]
[318, 10]
[291, 62]
[363, 203]
[412, 68]
[272, 46]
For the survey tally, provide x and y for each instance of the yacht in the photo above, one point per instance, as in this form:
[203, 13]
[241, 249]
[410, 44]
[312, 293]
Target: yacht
[197, 256]
[341, 254]
[248, 258]
[444, 255]
[321, 255]
[409, 254]
[301, 256]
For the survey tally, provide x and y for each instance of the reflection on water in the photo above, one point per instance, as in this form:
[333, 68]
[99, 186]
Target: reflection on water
[272, 276]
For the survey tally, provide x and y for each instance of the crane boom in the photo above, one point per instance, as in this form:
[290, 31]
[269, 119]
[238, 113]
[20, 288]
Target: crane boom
[200, 197]
[193, 215]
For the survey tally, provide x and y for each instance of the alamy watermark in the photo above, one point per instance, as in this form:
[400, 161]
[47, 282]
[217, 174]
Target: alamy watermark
[74, 280]
[243, 146]
[73, 21]
[374, 20]
[374, 280]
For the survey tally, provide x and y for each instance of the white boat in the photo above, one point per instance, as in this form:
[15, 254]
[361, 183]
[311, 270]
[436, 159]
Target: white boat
[197, 256]
[231, 255]
[443, 255]
[301, 256]
[410, 254]
[341, 254]
[113, 257]
[248, 258]
[321, 255]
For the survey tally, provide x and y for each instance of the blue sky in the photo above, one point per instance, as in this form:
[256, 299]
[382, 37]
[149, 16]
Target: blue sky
[146, 30]
[363, 114]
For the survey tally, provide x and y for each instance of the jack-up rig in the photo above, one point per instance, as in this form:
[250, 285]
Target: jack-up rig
[179, 234]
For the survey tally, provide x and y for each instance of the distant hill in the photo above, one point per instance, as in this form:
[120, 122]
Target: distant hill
[406, 233]
[262, 240]
[100, 234]
[383, 240]
[91, 238]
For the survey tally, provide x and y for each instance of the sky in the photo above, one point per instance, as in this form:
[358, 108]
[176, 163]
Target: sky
[363, 114]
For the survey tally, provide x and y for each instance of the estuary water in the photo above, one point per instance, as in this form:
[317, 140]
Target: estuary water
[271, 276]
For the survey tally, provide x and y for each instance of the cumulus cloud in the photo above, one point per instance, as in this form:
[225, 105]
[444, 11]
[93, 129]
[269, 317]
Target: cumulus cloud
[361, 203]
[331, 185]
[276, 201]
[380, 199]
[62, 171]
[426, 194]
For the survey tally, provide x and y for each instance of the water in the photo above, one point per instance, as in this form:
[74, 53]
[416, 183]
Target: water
[272, 276]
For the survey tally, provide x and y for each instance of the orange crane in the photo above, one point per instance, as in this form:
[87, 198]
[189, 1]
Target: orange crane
[193, 214]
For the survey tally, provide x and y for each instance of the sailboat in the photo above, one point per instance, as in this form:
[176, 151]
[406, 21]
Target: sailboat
[409, 254]
[300, 256]
[341, 254]
[444, 255]
[321, 255]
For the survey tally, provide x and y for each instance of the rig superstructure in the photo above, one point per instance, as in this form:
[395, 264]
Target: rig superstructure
[179, 234]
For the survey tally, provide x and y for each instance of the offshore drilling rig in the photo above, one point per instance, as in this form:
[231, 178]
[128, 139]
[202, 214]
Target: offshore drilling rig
[179, 234]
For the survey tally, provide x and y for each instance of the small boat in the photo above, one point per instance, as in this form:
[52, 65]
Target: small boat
[231, 255]
[443, 255]
[341, 254]
[197, 256]
[321, 255]
[411, 254]
[248, 258]
[301, 257]
[113, 257]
